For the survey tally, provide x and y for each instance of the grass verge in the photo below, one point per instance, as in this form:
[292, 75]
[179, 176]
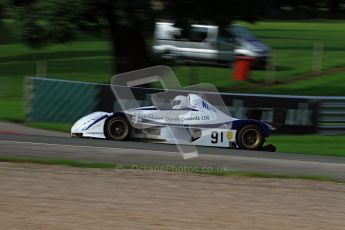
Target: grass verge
[310, 144]
[61, 127]
[167, 168]
[12, 109]
[72, 163]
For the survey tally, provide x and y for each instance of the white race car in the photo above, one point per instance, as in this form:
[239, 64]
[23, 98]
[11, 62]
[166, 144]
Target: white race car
[190, 120]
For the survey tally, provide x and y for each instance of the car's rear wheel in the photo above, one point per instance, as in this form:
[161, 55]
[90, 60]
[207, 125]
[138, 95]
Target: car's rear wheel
[250, 137]
[117, 128]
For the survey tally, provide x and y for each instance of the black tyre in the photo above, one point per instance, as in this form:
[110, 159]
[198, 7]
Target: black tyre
[250, 137]
[117, 128]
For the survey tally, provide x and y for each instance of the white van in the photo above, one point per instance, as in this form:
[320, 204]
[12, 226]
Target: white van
[207, 43]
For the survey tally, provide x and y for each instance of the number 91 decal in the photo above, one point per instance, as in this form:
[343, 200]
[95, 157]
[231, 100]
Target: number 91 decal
[218, 137]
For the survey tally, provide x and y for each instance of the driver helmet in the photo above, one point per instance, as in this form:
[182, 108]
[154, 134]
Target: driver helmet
[180, 102]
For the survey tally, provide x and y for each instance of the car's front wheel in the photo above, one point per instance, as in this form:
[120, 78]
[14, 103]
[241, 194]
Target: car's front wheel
[117, 128]
[250, 137]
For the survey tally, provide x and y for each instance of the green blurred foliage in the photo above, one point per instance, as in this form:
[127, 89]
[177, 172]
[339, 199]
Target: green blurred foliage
[55, 21]
[128, 25]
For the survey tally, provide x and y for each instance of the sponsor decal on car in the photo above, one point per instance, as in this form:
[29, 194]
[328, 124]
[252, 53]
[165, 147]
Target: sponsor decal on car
[229, 135]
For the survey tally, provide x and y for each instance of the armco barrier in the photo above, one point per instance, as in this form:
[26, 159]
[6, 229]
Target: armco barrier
[332, 116]
[52, 100]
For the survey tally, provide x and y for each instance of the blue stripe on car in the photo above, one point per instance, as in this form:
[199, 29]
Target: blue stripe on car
[95, 121]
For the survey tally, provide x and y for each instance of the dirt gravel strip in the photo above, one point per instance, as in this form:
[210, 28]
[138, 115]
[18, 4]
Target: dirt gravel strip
[61, 197]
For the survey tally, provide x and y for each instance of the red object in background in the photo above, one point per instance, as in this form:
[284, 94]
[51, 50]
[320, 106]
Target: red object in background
[242, 67]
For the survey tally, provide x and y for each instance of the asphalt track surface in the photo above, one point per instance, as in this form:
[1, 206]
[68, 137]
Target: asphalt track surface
[153, 154]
